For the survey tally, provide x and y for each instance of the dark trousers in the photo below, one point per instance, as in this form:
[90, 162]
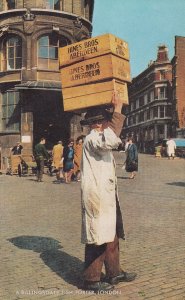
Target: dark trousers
[40, 168]
[96, 256]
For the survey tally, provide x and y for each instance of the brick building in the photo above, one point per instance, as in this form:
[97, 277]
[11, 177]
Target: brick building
[178, 86]
[31, 31]
[149, 111]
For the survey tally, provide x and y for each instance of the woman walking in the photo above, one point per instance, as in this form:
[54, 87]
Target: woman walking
[68, 155]
[132, 159]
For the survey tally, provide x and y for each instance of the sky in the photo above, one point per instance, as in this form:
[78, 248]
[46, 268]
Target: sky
[144, 24]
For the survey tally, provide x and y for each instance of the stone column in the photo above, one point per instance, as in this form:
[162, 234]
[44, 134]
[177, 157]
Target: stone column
[155, 133]
[165, 131]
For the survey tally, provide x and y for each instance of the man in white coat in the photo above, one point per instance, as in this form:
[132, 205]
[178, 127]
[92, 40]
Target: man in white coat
[102, 224]
[171, 146]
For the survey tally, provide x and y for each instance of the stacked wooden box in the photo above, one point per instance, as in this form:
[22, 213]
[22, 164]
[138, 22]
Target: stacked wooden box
[92, 69]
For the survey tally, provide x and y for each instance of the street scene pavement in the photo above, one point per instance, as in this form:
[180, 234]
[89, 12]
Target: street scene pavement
[40, 250]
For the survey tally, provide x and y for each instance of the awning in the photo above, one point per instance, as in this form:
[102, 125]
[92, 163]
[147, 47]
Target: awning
[179, 142]
[40, 85]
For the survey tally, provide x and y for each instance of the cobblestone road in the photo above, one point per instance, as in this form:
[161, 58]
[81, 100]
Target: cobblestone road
[41, 254]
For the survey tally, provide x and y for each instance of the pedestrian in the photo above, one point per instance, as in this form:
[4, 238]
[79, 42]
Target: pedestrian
[131, 158]
[68, 156]
[171, 146]
[57, 163]
[40, 154]
[17, 150]
[77, 157]
[102, 224]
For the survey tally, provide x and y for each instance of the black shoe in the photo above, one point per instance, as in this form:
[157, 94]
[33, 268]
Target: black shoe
[98, 286]
[122, 277]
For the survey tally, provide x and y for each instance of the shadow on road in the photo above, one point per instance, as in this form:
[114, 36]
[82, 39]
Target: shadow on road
[177, 183]
[68, 267]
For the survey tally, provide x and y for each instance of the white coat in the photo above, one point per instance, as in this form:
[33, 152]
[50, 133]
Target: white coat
[99, 187]
[171, 146]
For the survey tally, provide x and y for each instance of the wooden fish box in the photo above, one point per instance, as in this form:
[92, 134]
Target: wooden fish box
[90, 48]
[94, 94]
[103, 67]
[92, 69]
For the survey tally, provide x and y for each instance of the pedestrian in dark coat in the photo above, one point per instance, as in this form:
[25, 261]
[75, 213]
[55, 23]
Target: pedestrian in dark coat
[40, 154]
[68, 156]
[16, 150]
[132, 159]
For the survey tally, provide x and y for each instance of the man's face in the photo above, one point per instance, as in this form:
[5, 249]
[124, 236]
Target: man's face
[100, 125]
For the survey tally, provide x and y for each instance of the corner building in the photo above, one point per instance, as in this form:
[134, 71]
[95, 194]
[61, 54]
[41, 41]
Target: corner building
[150, 104]
[31, 32]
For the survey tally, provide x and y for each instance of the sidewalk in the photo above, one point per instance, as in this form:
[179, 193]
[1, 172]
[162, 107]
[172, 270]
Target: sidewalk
[41, 254]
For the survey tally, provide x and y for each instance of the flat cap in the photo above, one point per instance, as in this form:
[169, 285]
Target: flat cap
[96, 114]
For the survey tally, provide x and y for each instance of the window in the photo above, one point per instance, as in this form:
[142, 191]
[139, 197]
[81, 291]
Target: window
[145, 99]
[11, 4]
[12, 54]
[48, 51]
[86, 9]
[148, 114]
[141, 116]
[161, 111]
[53, 4]
[137, 103]
[10, 111]
[152, 96]
[155, 112]
[161, 93]
[162, 74]
[141, 101]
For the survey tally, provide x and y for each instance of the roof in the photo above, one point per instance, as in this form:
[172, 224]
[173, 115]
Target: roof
[40, 85]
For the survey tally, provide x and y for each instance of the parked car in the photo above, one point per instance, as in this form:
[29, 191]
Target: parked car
[180, 150]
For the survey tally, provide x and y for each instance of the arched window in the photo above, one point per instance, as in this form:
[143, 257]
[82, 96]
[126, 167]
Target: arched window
[48, 51]
[53, 4]
[12, 53]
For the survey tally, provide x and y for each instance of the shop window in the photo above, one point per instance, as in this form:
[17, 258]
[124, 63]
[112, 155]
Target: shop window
[10, 111]
[48, 51]
[12, 54]
[53, 4]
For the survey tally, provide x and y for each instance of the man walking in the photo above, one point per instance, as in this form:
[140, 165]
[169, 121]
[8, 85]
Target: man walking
[101, 216]
[40, 154]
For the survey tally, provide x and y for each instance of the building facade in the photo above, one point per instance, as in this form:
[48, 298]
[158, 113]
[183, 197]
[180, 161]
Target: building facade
[148, 116]
[31, 32]
[178, 88]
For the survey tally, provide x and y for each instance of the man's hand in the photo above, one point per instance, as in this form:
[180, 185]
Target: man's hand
[116, 102]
